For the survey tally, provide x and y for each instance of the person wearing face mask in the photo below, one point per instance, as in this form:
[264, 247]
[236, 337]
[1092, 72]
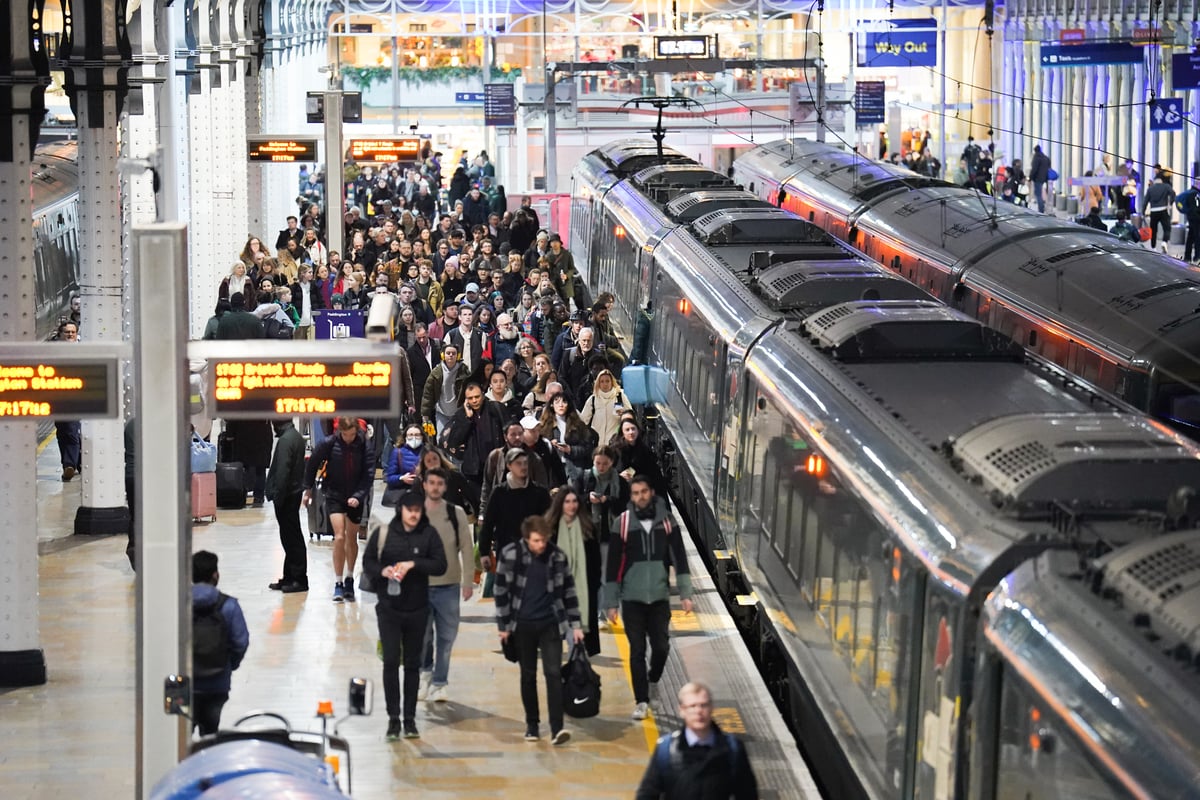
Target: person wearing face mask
[401, 471]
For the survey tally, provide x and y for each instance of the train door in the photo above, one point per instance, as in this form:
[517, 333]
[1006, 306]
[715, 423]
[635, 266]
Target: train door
[939, 705]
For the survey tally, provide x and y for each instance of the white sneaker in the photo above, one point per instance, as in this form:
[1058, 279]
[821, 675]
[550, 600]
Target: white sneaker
[423, 689]
[438, 694]
[641, 710]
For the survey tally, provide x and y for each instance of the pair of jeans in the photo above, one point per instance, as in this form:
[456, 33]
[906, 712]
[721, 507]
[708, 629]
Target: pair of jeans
[440, 631]
[534, 638]
[642, 621]
[291, 537]
[70, 441]
[1191, 247]
[402, 635]
[1160, 219]
[206, 710]
[1039, 193]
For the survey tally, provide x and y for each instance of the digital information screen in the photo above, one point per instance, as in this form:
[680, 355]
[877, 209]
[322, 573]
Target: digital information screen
[281, 150]
[62, 389]
[264, 387]
[376, 151]
[681, 46]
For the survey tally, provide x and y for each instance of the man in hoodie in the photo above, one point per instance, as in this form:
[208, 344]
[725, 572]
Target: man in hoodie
[219, 642]
[400, 560]
[285, 487]
[644, 543]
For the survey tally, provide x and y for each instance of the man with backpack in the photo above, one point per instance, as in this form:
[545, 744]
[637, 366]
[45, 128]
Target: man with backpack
[219, 642]
[698, 761]
[1188, 202]
[454, 527]
[645, 542]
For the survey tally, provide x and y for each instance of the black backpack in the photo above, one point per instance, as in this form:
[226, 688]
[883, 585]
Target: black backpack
[211, 642]
[274, 329]
[581, 685]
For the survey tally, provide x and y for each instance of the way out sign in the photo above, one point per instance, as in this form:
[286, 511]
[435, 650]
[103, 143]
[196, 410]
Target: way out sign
[1166, 114]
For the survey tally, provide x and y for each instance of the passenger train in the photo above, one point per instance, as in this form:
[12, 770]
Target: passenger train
[1119, 315]
[55, 190]
[972, 574]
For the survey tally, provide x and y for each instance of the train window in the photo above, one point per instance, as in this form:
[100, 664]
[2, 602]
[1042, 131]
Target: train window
[1033, 339]
[1038, 757]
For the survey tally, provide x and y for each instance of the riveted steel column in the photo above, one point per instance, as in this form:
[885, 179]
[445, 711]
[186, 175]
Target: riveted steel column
[24, 74]
[98, 57]
[250, 53]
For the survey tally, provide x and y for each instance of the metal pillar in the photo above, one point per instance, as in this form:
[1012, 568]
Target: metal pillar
[335, 196]
[23, 77]
[549, 135]
[251, 57]
[164, 539]
[98, 57]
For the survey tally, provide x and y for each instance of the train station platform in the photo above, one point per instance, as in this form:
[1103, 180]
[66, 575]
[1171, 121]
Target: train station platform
[74, 736]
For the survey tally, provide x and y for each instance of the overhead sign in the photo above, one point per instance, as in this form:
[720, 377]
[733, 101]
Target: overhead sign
[280, 149]
[870, 102]
[265, 387]
[468, 97]
[1090, 54]
[1185, 70]
[905, 43]
[681, 46]
[61, 386]
[1166, 114]
[314, 107]
[339, 323]
[499, 105]
[405, 148]
[1070, 35]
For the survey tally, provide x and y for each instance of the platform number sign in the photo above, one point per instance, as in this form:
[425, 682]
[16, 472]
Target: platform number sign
[1166, 114]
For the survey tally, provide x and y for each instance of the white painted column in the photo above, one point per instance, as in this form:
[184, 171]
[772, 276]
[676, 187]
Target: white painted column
[22, 662]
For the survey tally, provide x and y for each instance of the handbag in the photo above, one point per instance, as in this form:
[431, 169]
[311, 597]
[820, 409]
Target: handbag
[204, 455]
[581, 685]
[365, 582]
[509, 647]
[392, 495]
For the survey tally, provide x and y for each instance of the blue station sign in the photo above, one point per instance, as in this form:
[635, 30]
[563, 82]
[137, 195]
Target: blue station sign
[1166, 114]
[1185, 70]
[1090, 54]
[904, 43]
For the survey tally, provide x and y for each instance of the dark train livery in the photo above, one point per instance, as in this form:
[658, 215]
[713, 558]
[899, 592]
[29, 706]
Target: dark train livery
[1123, 317]
[970, 574]
[55, 189]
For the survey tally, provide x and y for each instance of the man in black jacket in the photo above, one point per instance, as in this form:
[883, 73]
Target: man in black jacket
[476, 429]
[400, 560]
[285, 486]
[698, 761]
[423, 356]
[511, 502]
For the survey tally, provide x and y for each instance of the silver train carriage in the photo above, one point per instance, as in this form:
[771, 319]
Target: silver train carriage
[879, 471]
[1121, 316]
[55, 195]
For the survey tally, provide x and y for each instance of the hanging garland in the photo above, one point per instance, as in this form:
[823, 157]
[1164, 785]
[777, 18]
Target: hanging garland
[366, 77]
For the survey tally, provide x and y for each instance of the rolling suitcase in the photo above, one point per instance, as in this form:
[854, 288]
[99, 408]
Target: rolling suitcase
[204, 496]
[231, 485]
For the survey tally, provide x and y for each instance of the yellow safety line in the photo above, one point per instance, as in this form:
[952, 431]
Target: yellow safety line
[649, 726]
[44, 443]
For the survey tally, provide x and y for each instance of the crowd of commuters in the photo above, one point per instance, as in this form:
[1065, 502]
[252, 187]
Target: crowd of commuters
[518, 462]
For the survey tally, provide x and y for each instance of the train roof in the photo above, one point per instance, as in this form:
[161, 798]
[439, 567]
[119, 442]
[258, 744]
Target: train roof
[55, 173]
[1125, 300]
[1115, 673]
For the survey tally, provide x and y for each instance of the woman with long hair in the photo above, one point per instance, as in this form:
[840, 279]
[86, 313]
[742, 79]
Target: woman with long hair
[457, 489]
[543, 376]
[253, 245]
[401, 470]
[572, 439]
[634, 457]
[572, 530]
[406, 325]
[237, 281]
[606, 406]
